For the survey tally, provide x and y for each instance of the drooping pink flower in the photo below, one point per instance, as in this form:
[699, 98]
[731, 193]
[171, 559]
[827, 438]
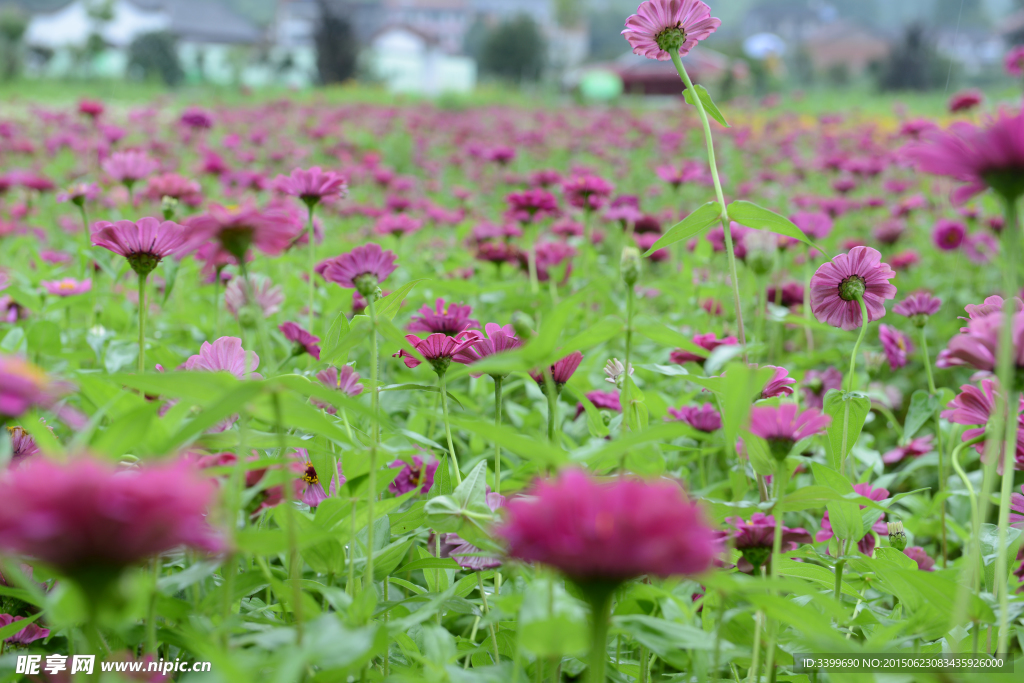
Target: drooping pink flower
[236, 228]
[896, 346]
[662, 25]
[419, 474]
[779, 384]
[707, 341]
[924, 562]
[818, 383]
[129, 167]
[86, 517]
[614, 531]
[918, 304]
[225, 355]
[451, 320]
[867, 544]
[703, 418]
[185, 190]
[913, 449]
[24, 386]
[561, 371]
[25, 636]
[836, 285]
[754, 539]
[965, 100]
[253, 290]
[303, 340]
[948, 234]
[588, 192]
[68, 286]
[362, 269]
[144, 243]
[438, 349]
[312, 186]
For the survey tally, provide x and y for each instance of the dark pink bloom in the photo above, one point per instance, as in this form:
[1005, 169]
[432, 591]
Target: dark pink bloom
[924, 562]
[22, 444]
[311, 490]
[779, 384]
[451, 320]
[66, 287]
[24, 386]
[561, 371]
[837, 284]
[948, 234]
[662, 25]
[531, 205]
[977, 346]
[185, 190]
[144, 243]
[646, 240]
[896, 346]
[602, 400]
[783, 425]
[545, 178]
[25, 636]
[271, 230]
[677, 175]
[615, 531]
[438, 349]
[818, 383]
[754, 539]
[918, 304]
[1013, 62]
[965, 100]
[915, 449]
[85, 516]
[225, 355]
[905, 259]
[889, 231]
[397, 224]
[815, 224]
[1017, 509]
[91, 108]
[867, 544]
[345, 380]
[129, 167]
[703, 418]
[790, 294]
[706, 341]
[362, 269]
[498, 340]
[587, 191]
[419, 474]
[196, 118]
[311, 185]
[303, 340]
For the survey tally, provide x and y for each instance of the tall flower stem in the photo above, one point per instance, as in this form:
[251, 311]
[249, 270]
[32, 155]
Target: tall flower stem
[856, 347]
[599, 596]
[448, 428]
[142, 322]
[552, 395]
[498, 379]
[531, 266]
[938, 442]
[371, 484]
[718, 194]
[780, 481]
[291, 530]
[627, 405]
[972, 578]
[312, 266]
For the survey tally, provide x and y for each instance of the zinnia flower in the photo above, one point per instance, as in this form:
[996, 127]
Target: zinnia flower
[660, 26]
[837, 284]
[913, 449]
[896, 346]
[303, 340]
[451, 320]
[818, 383]
[754, 540]
[918, 307]
[397, 224]
[531, 205]
[1013, 62]
[271, 230]
[226, 355]
[256, 290]
[779, 384]
[965, 100]
[24, 386]
[178, 187]
[976, 346]
[25, 636]
[312, 489]
[867, 544]
[22, 444]
[924, 562]
[345, 380]
[587, 191]
[498, 340]
[362, 269]
[706, 341]
[948, 234]
[144, 243]
[419, 474]
[974, 406]
[561, 371]
[311, 185]
[129, 167]
[614, 531]
[783, 425]
[437, 349]
[703, 418]
[66, 287]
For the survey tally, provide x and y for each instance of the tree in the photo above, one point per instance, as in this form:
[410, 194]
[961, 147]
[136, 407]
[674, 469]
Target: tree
[155, 55]
[13, 24]
[336, 49]
[514, 49]
[913, 64]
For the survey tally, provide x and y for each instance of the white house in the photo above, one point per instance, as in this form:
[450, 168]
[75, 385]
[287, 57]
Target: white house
[409, 60]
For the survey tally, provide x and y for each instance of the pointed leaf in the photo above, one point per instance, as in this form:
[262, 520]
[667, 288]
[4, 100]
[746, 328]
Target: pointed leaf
[702, 217]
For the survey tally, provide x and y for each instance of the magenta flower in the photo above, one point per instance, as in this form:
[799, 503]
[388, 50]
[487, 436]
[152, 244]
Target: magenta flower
[918, 307]
[66, 287]
[451, 320]
[976, 347]
[818, 383]
[196, 118]
[965, 100]
[815, 224]
[226, 355]
[531, 205]
[1013, 62]
[185, 190]
[867, 544]
[362, 269]
[465, 553]
[597, 531]
[311, 490]
[25, 636]
[24, 386]
[419, 474]
[948, 234]
[837, 285]
[974, 406]
[783, 425]
[703, 418]
[779, 384]
[22, 444]
[918, 555]
[561, 371]
[79, 193]
[129, 167]
[253, 290]
[602, 400]
[437, 349]
[498, 340]
[896, 346]
[1017, 509]
[144, 243]
[397, 224]
[303, 340]
[706, 341]
[345, 380]
[88, 519]
[914, 449]
[312, 186]
[660, 26]
[271, 230]
[754, 540]
[587, 191]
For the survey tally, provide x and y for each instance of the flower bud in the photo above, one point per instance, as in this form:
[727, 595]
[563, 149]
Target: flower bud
[629, 265]
[761, 249]
[523, 325]
[168, 205]
[897, 538]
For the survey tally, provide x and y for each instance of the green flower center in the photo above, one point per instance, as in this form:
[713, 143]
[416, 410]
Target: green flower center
[143, 263]
[366, 284]
[852, 288]
[671, 39]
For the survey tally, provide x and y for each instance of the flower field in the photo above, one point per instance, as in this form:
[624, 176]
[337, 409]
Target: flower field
[354, 392]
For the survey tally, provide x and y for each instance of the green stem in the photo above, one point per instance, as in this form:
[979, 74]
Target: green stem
[838, 592]
[601, 609]
[938, 443]
[531, 266]
[151, 642]
[808, 315]
[627, 405]
[856, 346]
[483, 598]
[973, 578]
[448, 428]
[289, 513]
[497, 423]
[718, 194]
[371, 489]
[779, 481]
[142, 323]
[552, 408]
[312, 266]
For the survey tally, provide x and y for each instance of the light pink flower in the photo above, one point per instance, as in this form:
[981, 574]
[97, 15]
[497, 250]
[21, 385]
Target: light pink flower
[779, 384]
[660, 25]
[362, 269]
[144, 243]
[24, 386]
[271, 230]
[896, 346]
[914, 449]
[977, 346]
[129, 167]
[703, 418]
[185, 190]
[836, 285]
[66, 287]
[783, 425]
[311, 185]
[255, 290]
[303, 340]
[226, 355]
[867, 544]
[919, 303]
[345, 380]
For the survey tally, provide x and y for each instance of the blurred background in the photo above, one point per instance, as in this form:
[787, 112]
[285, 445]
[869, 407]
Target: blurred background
[452, 47]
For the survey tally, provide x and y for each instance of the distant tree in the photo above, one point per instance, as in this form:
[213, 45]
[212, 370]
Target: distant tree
[336, 48]
[13, 24]
[604, 35]
[155, 55]
[514, 49]
[913, 64]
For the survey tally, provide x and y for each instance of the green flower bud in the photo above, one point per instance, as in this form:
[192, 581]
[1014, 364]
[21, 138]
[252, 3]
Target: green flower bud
[629, 265]
[523, 325]
[897, 538]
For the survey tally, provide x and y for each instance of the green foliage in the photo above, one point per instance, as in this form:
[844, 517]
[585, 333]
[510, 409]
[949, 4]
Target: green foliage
[155, 56]
[514, 50]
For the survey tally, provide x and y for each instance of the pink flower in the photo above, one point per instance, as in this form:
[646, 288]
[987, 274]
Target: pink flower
[311, 490]
[592, 530]
[254, 290]
[587, 191]
[905, 259]
[1013, 62]
[129, 167]
[22, 444]
[779, 383]
[754, 539]
[311, 186]
[915, 449]
[918, 304]
[303, 340]
[362, 269]
[397, 224]
[437, 349]
[896, 346]
[498, 340]
[24, 386]
[91, 108]
[1017, 509]
[178, 187]
[418, 474]
[79, 193]
[66, 287]
[837, 284]
[144, 243]
[25, 636]
[346, 381]
[918, 555]
[450, 321]
[703, 418]
[867, 544]
[976, 347]
[561, 371]
[965, 100]
[818, 383]
[196, 118]
[85, 517]
[890, 231]
[981, 247]
[662, 25]
[783, 425]
[602, 400]
[226, 355]
[815, 224]
[531, 205]
[948, 234]
[706, 341]
[271, 230]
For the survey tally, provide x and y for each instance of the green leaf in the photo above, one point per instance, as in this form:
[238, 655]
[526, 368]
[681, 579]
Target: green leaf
[922, 407]
[701, 217]
[44, 337]
[666, 336]
[127, 432]
[759, 218]
[816, 573]
[467, 501]
[826, 476]
[705, 99]
[848, 412]
[390, 305]
[846, 520]
[595, 425]
[339, 330]
[511, 439]
[445, 485]
[429, 563]
[809, 497]
[550, 623]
